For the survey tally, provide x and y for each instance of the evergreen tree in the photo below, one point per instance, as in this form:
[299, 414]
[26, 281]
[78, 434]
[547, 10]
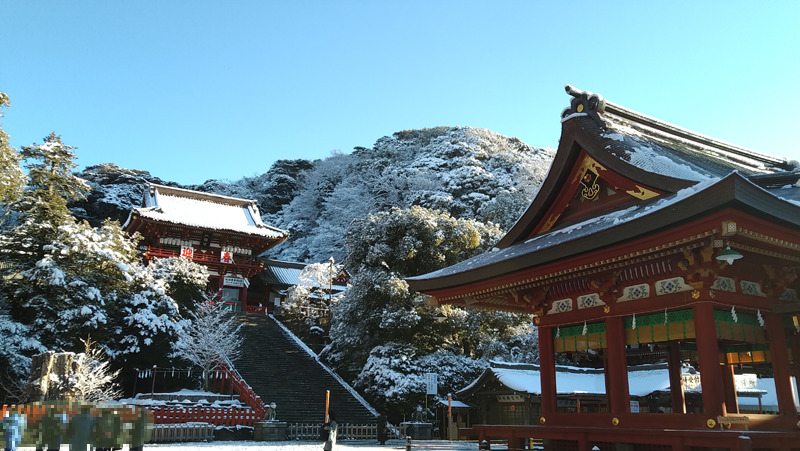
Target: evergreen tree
[42, 209]
[383, 334]
[74, 288]
[12, 179]
[183, 280]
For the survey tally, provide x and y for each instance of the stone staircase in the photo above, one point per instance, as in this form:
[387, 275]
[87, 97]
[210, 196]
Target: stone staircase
[281, 370]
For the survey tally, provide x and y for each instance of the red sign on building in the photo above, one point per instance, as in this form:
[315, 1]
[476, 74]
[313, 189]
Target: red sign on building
[226, 257]
[187, 251]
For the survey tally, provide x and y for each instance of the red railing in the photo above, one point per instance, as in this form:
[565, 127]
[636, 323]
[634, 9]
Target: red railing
[199, 256]
[236, 384]
[257, 309]
[220, 416]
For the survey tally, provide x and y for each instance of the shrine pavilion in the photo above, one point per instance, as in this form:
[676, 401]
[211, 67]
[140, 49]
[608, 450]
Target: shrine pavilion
[650, 243]
[224, 234]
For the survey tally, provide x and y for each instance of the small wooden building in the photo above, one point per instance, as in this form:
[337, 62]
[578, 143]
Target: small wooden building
[225, 234]
[647, 233]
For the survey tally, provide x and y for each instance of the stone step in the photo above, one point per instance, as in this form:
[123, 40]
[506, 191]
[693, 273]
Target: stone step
[279, 370]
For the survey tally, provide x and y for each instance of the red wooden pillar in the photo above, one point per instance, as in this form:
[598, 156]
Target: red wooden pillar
[708, 353]
[780, 364]
[619, 400]
[729, 387]
[677, 396]
[547, 370]
[796, 359]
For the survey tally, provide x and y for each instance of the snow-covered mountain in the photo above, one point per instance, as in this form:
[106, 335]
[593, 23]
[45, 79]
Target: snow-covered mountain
[470, 172]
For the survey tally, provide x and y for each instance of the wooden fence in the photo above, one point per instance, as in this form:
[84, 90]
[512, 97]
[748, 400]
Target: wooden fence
[219, 416]
[185, 432]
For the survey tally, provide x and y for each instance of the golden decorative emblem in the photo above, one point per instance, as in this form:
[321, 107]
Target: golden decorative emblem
[606, 309]
[537, 320]
[580, 108]
[711, 423]
[590, 186]
[615, 421]
[541, 420]
[696, 294]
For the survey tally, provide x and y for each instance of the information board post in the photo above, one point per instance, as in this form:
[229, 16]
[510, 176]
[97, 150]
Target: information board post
[431, 388]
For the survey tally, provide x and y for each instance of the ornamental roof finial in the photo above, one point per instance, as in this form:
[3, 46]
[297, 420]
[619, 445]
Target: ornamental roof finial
[585, 102]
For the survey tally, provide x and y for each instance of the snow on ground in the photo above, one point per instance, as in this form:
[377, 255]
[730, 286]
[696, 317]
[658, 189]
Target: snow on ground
[361, 445]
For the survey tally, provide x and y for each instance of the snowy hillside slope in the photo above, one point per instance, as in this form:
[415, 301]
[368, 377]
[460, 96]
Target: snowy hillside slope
[114, 192]
[469, 172]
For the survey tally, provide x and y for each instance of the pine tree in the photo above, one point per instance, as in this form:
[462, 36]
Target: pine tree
[42, 210]
[12, 179]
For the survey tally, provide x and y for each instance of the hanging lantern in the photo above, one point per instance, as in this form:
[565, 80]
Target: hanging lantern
[729, 255]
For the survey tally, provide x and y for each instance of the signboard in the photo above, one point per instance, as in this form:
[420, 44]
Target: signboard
[746, 381]
[226, 257]
[634, 406]
[233, 282]
[733, 420]
[187, 252]
[690, 381]
[431, 384]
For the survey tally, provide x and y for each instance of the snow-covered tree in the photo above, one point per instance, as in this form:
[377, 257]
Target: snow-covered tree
[469, 172]
[42, 209]
[393, 377]
[212, 336]
[384, 336]
[184, 280]
[378, 307]
[94, 380]
[12, 179]
[73, 289]
[304, 311]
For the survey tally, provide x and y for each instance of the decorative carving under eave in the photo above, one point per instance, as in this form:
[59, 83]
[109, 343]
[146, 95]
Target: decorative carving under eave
[585, 102]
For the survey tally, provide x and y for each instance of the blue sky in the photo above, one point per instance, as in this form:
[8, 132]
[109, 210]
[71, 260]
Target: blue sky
[195, 90]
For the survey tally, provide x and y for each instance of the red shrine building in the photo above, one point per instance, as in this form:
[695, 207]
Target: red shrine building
[650, 244]
[224, 234]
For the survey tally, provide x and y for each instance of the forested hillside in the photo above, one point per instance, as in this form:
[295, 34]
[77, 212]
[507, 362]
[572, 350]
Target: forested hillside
[468, 172]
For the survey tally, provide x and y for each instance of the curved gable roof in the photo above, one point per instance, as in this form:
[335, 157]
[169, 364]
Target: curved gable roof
[639, 148]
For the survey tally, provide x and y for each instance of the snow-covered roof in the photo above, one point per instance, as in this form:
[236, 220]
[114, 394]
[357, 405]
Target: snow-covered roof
[456, 404]
[282, 273]
[204, 210]
[662, 148]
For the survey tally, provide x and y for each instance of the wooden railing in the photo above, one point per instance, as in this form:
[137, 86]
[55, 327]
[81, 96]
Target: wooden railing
[219, 416]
